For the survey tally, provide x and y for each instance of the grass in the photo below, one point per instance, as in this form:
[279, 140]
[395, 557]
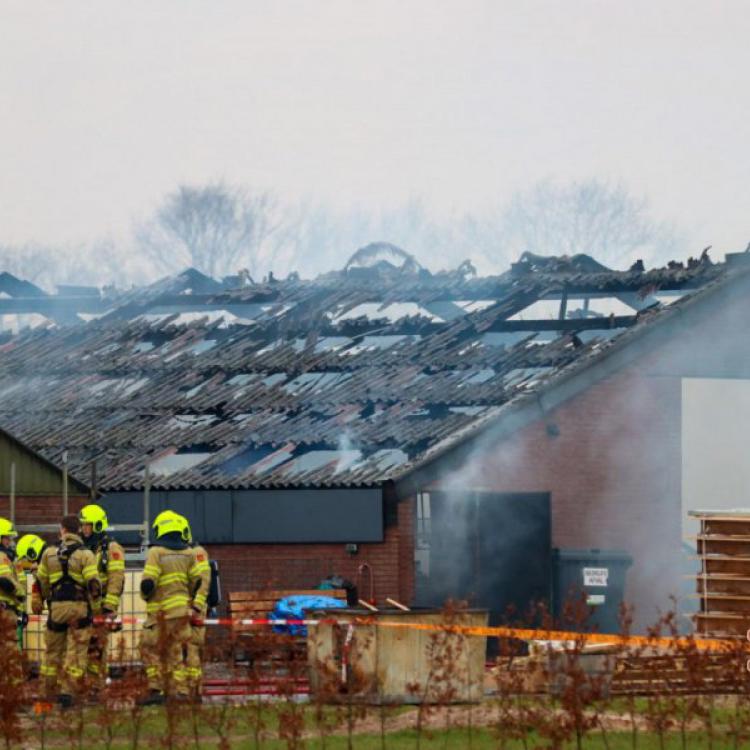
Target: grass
[228, 726]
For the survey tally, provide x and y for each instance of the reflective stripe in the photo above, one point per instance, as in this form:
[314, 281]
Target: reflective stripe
[168, 578]
[200, 600]
[74, 671]
[171, 602]
[6, 570]
[93, 668]
[48, 670]
[199, 568]
[194, 672]
[77, 577]
[152, 571]
[111, 601]
[117, 565]
[54, 577]
[152, 671]
[180, 675]
[89, 572]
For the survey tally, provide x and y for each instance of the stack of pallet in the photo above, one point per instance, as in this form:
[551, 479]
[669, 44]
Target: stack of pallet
[723, 582]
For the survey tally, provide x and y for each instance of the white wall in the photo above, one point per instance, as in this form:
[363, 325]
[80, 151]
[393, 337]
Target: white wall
[715, 445]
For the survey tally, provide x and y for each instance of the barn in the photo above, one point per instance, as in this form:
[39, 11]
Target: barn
[33, 490]
[423, 435]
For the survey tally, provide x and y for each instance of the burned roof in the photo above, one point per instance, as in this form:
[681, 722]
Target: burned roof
[350, 379]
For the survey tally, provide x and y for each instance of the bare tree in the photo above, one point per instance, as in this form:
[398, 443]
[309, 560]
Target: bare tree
[216, 228]
[594, 217]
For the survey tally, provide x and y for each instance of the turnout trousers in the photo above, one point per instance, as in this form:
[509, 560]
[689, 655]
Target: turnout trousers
[67, 639]
[194, 658]
[163, 645]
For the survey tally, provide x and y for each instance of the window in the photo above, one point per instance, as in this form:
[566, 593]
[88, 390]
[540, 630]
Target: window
[423, 534]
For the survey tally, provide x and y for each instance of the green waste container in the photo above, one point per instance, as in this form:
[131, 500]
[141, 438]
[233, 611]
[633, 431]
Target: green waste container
[595, 576]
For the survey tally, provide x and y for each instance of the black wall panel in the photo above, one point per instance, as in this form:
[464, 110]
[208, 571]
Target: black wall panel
[308, 516]
[261, 516]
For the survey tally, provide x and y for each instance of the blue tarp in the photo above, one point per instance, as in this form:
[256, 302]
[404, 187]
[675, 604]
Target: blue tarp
[295, 608]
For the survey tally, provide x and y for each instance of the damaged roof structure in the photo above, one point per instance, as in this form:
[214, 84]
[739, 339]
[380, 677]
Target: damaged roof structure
[354, 379]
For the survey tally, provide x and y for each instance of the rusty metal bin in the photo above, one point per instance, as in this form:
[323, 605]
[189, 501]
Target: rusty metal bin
[376, 658]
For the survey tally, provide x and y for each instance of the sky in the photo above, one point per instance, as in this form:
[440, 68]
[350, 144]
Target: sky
[105, 106]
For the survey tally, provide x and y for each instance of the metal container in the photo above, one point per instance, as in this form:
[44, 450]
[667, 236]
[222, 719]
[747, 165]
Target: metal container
[595, 577]
[394, 656]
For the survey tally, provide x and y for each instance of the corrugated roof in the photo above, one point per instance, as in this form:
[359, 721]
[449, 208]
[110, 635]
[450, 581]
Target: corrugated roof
[300, 393]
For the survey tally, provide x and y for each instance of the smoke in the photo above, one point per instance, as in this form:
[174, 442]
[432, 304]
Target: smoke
[622, 461]
[310, 238]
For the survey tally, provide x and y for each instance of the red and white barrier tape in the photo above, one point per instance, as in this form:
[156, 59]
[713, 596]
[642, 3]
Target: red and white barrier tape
[705, 644]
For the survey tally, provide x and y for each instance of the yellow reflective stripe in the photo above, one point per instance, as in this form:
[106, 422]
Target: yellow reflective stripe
[6, 570]
[89, 572]
[116, 565]
[152, 671]
[200, 600]
[168, 578]
[48, 670]
[171, 602]
[77, 577]
[74, 671]
[111, 601]
[55, 577]
[151, 570]
[196, 570]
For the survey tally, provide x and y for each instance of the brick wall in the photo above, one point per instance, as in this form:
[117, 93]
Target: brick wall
[39, 509]
[284, 566]
[611, 460]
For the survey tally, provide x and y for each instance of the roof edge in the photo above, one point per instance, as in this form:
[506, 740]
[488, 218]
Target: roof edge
[569, 382]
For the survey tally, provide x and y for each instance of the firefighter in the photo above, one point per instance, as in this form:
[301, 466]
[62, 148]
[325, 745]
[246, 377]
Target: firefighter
[169, 577]
[110, 563]
[70, 585]
[28, 553]
[201, 574]
[12, 593]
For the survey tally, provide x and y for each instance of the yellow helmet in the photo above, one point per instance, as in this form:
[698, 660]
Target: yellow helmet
[7, 528]
[30, 546]
[96, 516]
[187, 533]
[168, 521]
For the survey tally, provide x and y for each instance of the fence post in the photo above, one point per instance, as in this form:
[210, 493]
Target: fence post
[65, 482]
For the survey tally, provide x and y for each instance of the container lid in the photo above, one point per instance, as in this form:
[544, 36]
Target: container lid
[594, 555]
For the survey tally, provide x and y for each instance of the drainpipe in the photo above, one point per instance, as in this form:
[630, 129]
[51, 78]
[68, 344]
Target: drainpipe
[13, 493]
[361, 570]
[146, 505]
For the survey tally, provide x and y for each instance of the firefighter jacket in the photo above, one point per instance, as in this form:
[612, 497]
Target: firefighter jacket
[12, 593]
[21, 567]
[170, 575]
[110, 564]
[202, 584]
[67, 573]
[37, 603]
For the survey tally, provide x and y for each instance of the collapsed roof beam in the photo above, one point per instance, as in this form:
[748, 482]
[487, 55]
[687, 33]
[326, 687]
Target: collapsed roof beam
[576, 324]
